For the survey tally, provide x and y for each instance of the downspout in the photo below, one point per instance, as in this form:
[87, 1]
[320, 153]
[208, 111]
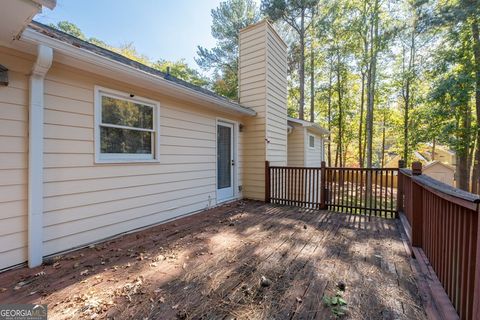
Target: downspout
[35, 155]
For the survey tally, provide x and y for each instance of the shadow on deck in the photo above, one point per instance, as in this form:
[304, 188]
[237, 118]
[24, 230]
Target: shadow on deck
[210, 266]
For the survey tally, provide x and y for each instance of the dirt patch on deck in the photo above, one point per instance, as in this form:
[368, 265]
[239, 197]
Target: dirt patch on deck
[244, 260]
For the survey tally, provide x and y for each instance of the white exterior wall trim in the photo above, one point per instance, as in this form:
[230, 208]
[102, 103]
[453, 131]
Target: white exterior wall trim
[35, 155]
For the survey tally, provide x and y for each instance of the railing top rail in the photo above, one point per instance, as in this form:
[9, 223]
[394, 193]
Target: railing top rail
[447, 190]
[405, 171]
[290, 167]
[362, 169]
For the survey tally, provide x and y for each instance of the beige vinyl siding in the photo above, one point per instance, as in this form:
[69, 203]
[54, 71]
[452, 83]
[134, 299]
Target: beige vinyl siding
[14, 158]
[262, 83]
[86, 202]
[296, 147]
[313, 156]
[276, 65]
[440, 172]
[252, 93]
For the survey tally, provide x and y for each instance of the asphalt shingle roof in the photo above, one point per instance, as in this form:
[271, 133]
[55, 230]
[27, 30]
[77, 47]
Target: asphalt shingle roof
[67, 38]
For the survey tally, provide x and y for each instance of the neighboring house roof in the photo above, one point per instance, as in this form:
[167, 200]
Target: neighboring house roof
[440, 148]
[310, 125]
[105, 53]
[419, 156]
[437, 163]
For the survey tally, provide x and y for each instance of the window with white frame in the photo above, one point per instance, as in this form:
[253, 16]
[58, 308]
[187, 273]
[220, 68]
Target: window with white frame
[126, 127]
[311, 141]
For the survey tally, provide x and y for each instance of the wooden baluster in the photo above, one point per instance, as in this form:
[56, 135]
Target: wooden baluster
[317, 186]
[311, 174]
[337, 194]
[382, 200]
[360, 191]
[348, 199]
[391, 193]
[375, 212]
[267, 182]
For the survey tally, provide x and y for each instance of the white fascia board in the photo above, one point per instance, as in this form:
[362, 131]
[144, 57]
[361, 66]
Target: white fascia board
[95, 63]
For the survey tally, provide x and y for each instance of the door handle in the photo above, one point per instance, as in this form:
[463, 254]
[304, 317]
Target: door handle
[233, 162]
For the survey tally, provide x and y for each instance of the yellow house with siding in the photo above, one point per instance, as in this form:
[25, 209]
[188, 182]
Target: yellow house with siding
[306, 143]
[94, 145]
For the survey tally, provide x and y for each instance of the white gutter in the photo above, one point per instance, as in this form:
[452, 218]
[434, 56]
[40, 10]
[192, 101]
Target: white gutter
[35, 155]
[98, 61]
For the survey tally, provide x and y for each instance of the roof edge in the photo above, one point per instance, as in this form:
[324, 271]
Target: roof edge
[310, 125]
[34, 36]
[50, 4]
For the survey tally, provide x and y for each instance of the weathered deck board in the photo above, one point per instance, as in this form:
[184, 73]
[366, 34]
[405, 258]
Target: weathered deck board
[209, 266]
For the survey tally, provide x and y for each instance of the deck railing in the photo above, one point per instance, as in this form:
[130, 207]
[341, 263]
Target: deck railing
[444, 226]
[442, 222]
[365, 191]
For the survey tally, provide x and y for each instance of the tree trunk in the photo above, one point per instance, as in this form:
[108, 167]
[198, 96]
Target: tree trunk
[383, 139]
[371, 83]
[360, 129]
[301, 70]
[340, 108]
[476, 53]
[406, 122]
[433, 148]
[330, 116]
[312, 82]
[464, 158]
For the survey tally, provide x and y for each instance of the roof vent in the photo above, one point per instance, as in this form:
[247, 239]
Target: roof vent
[167, 76]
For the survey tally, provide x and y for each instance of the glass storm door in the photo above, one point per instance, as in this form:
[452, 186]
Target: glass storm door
[225, 161]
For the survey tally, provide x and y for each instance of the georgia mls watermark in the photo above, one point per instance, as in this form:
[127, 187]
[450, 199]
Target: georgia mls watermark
[23, 311]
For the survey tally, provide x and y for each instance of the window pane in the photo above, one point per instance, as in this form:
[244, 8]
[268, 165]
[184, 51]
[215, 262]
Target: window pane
[126, 113]
[224, 155]
[312, 141]
[114, 140]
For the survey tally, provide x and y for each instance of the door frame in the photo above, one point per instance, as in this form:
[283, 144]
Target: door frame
[235, 131]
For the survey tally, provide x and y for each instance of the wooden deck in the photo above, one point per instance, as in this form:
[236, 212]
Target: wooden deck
[210, 266]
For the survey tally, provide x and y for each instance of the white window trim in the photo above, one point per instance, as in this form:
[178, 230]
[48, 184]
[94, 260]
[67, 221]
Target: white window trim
[308, 141]
[121, 157]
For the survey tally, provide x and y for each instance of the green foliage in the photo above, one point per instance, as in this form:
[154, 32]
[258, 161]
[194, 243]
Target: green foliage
[179, 69]
[227, 19]
[69, 28]
[288, 10]
[336, 304]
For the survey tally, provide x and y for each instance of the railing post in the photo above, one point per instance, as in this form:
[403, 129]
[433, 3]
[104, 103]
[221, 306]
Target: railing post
[400, 188]
[417, 206]
[476, 286]
[267, 181]
[323, 186]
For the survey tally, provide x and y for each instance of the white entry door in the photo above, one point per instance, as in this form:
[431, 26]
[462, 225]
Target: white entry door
[225, 161]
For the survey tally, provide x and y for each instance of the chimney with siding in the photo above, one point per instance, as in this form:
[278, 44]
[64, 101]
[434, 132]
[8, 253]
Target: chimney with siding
[263, 87]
